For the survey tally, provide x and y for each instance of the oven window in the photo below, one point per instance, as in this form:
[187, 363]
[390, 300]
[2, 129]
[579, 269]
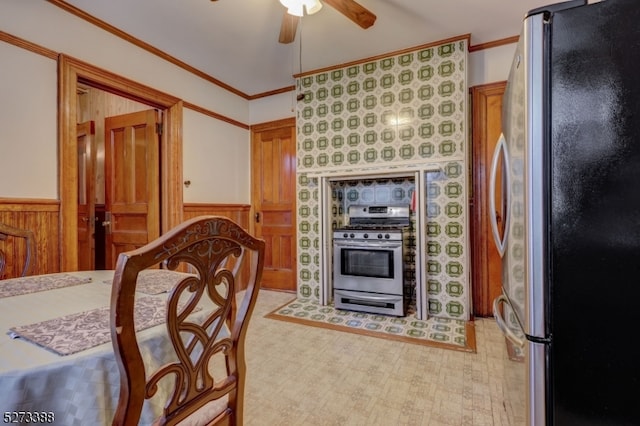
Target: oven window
[367, 263]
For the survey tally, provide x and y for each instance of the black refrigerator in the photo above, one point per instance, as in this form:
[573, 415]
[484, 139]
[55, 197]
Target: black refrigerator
[566, 190]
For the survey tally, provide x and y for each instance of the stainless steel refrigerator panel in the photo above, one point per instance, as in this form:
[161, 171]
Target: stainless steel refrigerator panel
[512, 244]
[524, 373]
[535, 176]
[524, 168]
[570, 263]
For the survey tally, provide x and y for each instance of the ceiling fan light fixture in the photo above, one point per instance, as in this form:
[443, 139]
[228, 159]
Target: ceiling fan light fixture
[313, 6]
[298, 7]
[295, 10]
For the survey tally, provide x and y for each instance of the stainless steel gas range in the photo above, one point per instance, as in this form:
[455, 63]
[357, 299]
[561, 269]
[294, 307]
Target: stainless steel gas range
[368, 260]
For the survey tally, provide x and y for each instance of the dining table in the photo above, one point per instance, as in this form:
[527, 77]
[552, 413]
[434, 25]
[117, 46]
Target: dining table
[57, 363]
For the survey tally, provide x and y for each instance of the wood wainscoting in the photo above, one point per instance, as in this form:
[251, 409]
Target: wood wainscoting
[239, 213]
[41, 217]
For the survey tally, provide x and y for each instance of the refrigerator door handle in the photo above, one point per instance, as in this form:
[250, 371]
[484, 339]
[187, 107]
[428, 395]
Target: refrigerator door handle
[500, 241]
[502, 324]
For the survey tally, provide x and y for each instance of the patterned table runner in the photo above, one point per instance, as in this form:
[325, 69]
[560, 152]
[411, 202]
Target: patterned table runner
[76, 332]
[156, 281]
[33, 284]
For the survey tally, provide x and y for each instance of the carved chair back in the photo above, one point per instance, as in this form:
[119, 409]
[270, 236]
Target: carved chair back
[29, 238]
[207, 379]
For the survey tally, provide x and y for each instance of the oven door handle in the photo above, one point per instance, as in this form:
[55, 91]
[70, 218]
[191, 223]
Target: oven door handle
[366, 245]
[383, 298]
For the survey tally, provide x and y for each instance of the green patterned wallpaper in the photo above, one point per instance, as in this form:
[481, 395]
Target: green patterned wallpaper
[398, 111]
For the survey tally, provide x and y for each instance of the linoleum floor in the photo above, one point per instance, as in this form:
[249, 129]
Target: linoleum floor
[302, 375]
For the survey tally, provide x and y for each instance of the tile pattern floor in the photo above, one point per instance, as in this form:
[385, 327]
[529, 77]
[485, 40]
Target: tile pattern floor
[301, 375]
[437, 331]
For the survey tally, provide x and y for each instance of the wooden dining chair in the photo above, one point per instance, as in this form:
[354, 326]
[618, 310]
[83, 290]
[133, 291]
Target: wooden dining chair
[201, 392]
[29, 238]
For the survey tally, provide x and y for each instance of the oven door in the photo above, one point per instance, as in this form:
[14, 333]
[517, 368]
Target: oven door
[371, 266]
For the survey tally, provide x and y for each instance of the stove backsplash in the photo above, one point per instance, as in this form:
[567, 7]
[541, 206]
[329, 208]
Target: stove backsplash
[368, 192]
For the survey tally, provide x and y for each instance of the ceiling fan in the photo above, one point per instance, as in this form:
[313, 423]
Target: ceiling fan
[349, 8]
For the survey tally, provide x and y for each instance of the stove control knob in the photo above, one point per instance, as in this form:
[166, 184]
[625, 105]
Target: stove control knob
[379, 236]
[352, 236]
[345, 235]
[366, 235]
[386, 236]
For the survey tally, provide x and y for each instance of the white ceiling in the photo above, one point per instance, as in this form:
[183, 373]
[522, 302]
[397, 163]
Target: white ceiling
[236, 41]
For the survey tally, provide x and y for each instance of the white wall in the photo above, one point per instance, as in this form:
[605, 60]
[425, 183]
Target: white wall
[490, 65]
[273, 108]
[28, 127]
[28, 91]
[28, 107]
[210, 148]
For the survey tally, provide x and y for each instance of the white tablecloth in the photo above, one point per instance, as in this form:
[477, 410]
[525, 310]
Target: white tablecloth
[79, 389]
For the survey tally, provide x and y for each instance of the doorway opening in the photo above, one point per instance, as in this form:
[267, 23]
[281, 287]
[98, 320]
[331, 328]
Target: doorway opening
[74, 73]
[98, 191]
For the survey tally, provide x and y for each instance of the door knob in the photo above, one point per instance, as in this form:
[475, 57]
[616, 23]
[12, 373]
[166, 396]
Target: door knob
[106, 223]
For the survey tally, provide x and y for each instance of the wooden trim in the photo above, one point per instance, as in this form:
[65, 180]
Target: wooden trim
[206, 207]
[385, 55]
[114, 83]
[171, 192]
[470, 332]
[70, 71]
[29, 204]
[32, 47]
[272, 92]
[277, 124]
[145, 46]
[215, 115]
[27, 45]
[495, 43]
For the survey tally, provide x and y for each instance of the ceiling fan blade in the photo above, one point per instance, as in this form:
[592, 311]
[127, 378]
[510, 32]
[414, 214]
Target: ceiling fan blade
[288, 28]
[354, 11]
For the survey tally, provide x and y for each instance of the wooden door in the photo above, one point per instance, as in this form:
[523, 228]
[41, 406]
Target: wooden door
[486, 261]
[132, 184]
[86, 195]
[274, 200]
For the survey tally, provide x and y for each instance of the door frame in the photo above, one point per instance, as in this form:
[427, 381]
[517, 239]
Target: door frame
[70, 72]
[88, 129]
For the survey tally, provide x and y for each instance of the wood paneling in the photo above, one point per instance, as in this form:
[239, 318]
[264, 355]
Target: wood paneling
[239, 213]
[41, 217]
